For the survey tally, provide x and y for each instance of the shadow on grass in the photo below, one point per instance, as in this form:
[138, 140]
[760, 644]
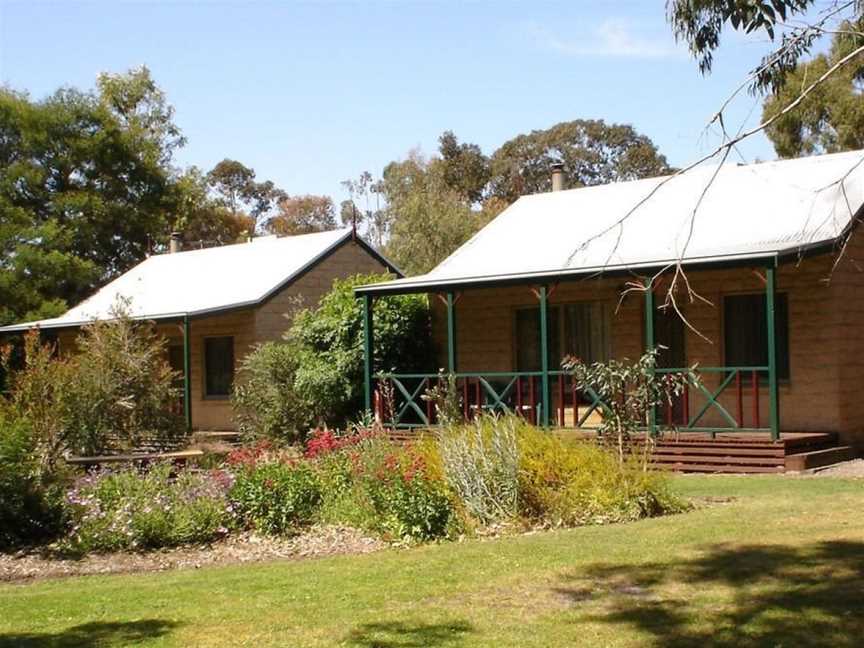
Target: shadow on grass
[771, 595]
[397, 634]
[92, 635]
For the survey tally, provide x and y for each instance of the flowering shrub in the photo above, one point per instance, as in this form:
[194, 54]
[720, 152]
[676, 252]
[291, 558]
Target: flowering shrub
[276, 497]
[128, 509]
[323, 441]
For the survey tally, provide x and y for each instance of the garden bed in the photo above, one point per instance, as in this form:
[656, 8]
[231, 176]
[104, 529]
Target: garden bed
[316, 542]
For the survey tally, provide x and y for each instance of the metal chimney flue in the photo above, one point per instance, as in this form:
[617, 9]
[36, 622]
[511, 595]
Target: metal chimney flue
[557, 176]
[175, 243]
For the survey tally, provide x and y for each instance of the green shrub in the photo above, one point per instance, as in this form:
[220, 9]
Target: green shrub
[276, 497]
[330, 338]
[116, 391]
[30, 507]
[266, 404]
[481, 465]
[128, 509]
[573, 483]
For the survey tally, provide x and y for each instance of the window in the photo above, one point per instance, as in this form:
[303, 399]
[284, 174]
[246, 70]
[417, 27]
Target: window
[218, 366]
[176, 361]
[745, 335]
[581, 330]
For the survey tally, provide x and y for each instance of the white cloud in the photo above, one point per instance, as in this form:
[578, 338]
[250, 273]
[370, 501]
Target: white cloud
[611, 38]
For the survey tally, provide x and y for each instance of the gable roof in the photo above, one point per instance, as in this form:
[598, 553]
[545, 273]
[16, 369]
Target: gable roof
[763, 210]
[201, 282]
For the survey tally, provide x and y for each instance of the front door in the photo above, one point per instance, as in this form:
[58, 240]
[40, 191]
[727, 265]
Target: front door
[669, 337]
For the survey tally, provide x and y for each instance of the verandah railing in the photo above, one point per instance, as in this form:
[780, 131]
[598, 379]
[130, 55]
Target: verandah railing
[399, 399]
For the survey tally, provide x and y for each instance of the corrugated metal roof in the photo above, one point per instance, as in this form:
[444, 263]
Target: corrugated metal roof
[197, 282]
[754, 210]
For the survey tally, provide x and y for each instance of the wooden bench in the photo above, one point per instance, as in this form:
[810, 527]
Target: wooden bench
[179, 457]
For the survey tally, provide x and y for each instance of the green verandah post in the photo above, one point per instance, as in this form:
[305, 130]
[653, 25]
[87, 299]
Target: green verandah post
[187, 373]
[451, 333]
[544, 355]
[770, 322]
[649, 344]
[368, 339]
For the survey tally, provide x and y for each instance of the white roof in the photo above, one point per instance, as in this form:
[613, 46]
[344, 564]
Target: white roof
[755, 210]
[197, 282]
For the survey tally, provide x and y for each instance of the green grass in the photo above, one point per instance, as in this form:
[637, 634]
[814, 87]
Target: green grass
[781, 564]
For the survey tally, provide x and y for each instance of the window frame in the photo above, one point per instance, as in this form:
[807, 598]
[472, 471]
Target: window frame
[763, 376]
[561, 319]
[205, 393]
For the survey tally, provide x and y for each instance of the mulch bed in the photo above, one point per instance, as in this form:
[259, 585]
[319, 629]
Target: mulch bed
[316, 542]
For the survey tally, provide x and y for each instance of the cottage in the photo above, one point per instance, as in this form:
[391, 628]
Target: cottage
[214, 304]
[771, 254]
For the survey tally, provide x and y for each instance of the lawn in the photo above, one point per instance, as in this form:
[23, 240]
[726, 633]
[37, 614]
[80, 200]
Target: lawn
[781, 563]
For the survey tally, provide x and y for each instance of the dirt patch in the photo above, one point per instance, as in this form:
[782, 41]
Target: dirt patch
[316, 542]
[854, 468]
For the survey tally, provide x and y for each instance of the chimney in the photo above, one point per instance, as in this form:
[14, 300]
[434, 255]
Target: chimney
[557, 176]
[175, 243]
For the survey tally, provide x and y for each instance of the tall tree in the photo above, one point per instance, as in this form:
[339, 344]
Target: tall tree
[84, 188]
[592, 152]
[427, 219]
[465, 168]
[202, 219]
[238, 190]
[829, 119]
[302, 215]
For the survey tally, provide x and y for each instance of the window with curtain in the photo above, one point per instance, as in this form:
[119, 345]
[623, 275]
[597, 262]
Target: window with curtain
[218, 366]
[745, 334]
[579, 329]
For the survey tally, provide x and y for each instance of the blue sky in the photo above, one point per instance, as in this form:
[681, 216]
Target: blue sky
[309, 94]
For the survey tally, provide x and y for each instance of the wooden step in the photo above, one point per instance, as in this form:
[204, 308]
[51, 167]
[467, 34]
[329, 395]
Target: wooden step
[717, 468]
[725, 452]
[717, 459]
[819, 458]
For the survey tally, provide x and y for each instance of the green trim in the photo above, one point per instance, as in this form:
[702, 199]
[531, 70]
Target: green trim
[451, 333]
[544, 354]
[368, 360]
[649, 346]
[187, 373]
[770, 323]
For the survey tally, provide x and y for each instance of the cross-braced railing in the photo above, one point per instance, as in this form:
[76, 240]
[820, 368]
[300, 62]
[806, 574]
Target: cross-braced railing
[403, 400]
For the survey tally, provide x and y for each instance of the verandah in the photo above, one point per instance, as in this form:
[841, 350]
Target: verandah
[531, 393]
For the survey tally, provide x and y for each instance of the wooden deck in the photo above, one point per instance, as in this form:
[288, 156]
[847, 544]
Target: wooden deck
[742, 452]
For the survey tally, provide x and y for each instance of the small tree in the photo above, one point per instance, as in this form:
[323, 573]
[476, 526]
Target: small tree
[115, 392]
[630, 391]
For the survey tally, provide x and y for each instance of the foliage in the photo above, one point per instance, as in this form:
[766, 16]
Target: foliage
[265, 400]
[465, 169]
[30, 510]
[592, 152]
[240, 193]
[446, 400]
[302, 215]
[84, 182]
[128, 509]
[481, 465]
[276, 497]
[577, 483]
[329, 373]
[202, 219]
[629, 391]
[428, 218]
[114, 392]
[796, 29]
[831, 118]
